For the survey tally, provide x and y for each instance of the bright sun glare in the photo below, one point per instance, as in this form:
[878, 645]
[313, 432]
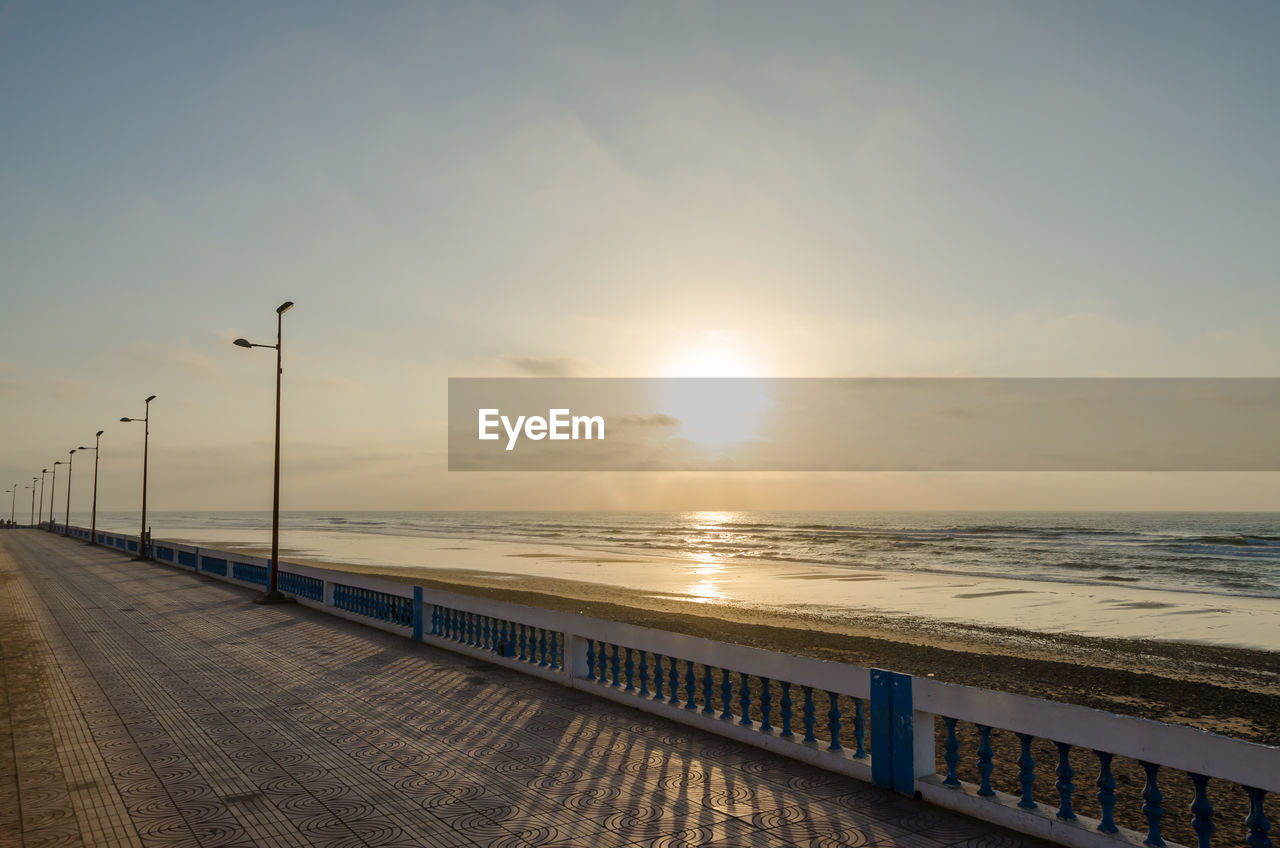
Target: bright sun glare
[712, 361]
[715, 415]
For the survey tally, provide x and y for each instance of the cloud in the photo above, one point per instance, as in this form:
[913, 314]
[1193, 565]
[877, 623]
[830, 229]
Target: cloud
[335, 384]
[557, 366]
[190, 362]
[659, 419]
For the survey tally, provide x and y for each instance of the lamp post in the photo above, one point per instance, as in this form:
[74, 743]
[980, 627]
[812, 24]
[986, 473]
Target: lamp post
[273, 594]
[12, 501]
[32, 487]
[53, 487]
[146, 437]
[40, 520]
[93, 522]
[66, 524]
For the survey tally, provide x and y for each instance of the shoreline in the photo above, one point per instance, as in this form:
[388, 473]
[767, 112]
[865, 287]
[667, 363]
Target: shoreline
[1234, 691]
[957, 603]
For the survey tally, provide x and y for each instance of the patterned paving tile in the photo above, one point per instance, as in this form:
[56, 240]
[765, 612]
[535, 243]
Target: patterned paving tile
[144, 706]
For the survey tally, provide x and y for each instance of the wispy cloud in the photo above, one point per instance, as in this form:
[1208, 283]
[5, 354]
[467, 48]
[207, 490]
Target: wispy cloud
[183, 358]
[557, 366]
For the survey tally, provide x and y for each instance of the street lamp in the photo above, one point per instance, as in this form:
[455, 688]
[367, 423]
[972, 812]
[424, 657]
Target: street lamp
[273, 594]
[66, 524]
[43, 471]
[146, 437]
[93, 522]
[13, 500]
[53, 487]
[32, 487]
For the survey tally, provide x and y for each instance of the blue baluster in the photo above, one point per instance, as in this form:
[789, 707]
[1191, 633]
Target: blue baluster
[657, 677]
[615, 664]
[1257, 821]
[1026, 772]
[785, 711]
[1151, 806]
[631, 671]
[860, 729]
[674, 682]
[591, 659]
[1201, 810]
[726, 693]
[744, 700]
[1106, 793]
[485, 640]
[554, 649]
[951, 753]
[833, 721]
[524, 643]
[809, 714]
[644, 674]
[985, 765]
[766, 704]
[690, 686]
[542, 647]
[1064, 785]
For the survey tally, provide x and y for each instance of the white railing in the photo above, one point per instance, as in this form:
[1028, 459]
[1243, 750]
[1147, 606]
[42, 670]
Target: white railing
[870, 724]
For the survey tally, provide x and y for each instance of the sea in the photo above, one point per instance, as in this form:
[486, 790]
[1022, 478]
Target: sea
[1223, 553]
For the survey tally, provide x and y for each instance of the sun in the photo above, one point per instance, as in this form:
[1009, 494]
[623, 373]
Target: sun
[720, 405]
[712, 360]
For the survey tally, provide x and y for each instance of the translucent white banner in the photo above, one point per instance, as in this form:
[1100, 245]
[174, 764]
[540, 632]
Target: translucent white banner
[1087, 424]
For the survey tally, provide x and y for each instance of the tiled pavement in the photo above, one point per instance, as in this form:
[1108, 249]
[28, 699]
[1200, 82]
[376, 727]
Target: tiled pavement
[146, 706]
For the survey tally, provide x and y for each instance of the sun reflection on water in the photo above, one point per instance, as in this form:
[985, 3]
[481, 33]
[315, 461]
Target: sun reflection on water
[705, 591]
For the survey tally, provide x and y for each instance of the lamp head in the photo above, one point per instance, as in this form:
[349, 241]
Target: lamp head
[82, 447]
[148, 400]
[242, 343]
[99, 433]
[44, 471]
[126, 420]
[284, 307]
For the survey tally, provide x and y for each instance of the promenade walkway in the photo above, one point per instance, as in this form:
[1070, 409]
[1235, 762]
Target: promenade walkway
[147, 706]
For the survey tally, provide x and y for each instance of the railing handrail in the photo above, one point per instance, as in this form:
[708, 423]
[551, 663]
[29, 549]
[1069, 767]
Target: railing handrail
[1174, 746]
[845, 678]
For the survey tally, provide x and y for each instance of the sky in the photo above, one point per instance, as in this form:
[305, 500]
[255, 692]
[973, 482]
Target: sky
[1083, 189]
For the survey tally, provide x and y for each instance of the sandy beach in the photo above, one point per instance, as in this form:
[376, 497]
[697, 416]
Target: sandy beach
[975, 632]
